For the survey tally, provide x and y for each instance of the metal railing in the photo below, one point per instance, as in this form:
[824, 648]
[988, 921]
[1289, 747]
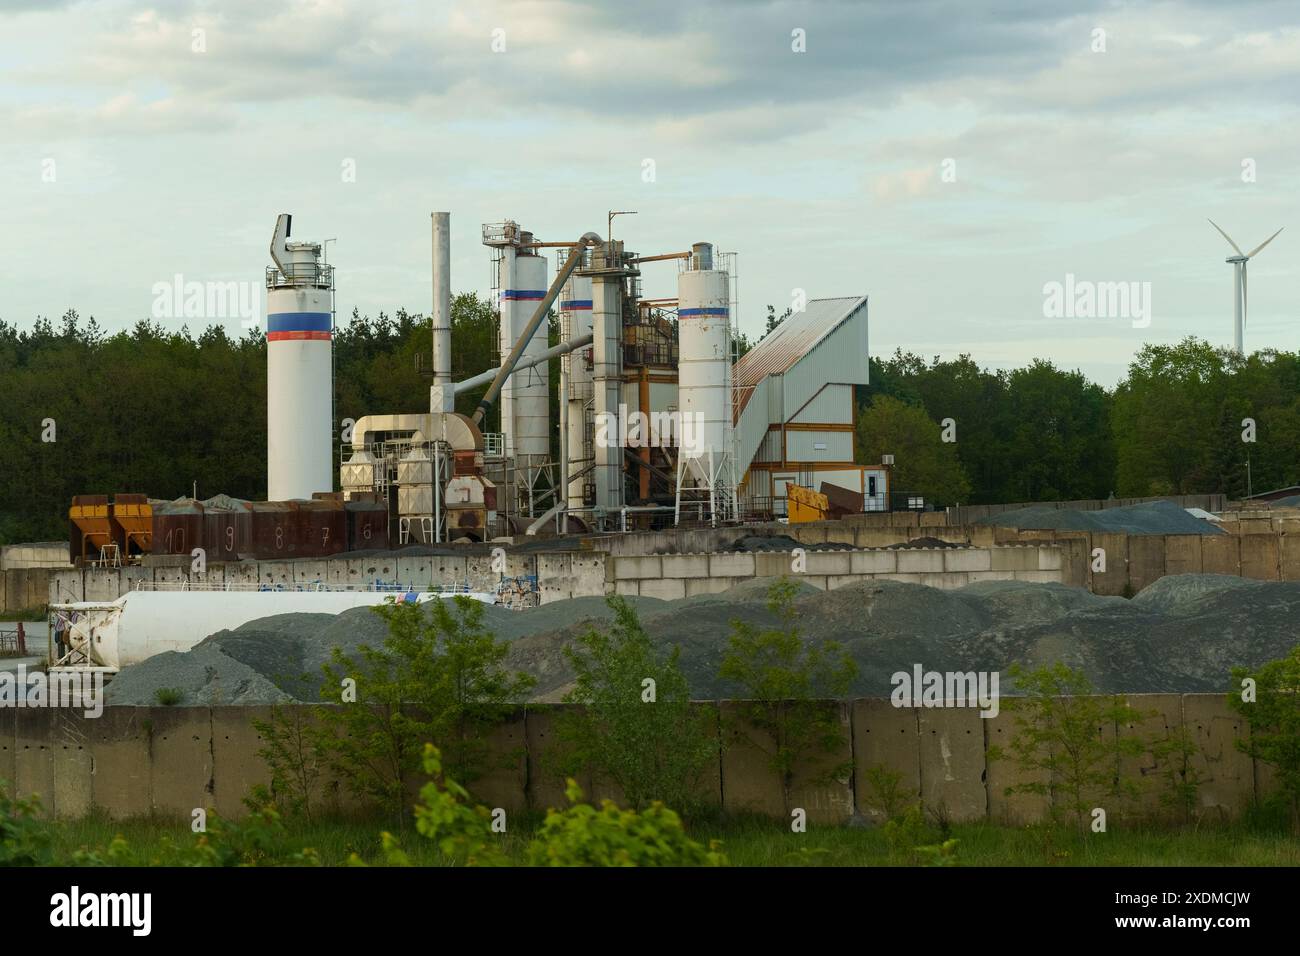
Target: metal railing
[301, 273]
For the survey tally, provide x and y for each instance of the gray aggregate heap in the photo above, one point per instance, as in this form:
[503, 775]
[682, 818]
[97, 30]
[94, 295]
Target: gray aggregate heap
[1148, 517]
[1181, 634]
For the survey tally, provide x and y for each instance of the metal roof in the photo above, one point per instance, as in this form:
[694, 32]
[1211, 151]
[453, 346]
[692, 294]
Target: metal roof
[790, 341]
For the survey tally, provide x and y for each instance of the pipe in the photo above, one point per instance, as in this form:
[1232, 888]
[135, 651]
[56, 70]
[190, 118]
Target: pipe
[441, 298]
[562, 522]
[661, 258]
[553, 352]
[508, 366]
[283, 227]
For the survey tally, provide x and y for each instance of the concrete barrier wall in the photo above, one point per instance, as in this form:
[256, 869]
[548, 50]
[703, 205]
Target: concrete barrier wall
[672, 576]
[169, 761]
[656, 564]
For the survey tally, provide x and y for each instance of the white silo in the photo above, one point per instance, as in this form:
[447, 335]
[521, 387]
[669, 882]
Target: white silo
[299, 368]
[575, 321]
[704, 384]
[525, 407]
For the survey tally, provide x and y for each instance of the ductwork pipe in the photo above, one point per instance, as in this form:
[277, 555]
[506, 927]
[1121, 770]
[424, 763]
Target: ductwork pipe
[508, 366]
[553, 352]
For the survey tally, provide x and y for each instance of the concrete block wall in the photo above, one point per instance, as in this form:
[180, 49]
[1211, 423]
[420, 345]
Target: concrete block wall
[135, 761]
[673, 576]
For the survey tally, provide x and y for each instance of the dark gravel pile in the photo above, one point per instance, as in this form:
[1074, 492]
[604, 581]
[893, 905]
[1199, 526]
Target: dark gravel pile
[1149, 517]
[1182, 634]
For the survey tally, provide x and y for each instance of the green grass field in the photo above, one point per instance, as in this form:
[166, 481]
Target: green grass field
[752, 842]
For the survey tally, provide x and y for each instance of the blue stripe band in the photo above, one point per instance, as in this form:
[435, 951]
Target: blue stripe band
[576, 304]
[298, 322]
[687, 313]
[523, 294]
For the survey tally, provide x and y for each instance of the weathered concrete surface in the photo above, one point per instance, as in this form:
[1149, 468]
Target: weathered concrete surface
[1260, 556]
[1159, 722]
[34, 742]
[236, 766]
[180, 750]
[952, 762]
[120, 783]
[1227, 776]
[750, 784]
[1004, 773]
[884, 736]
[1146, 560]
[1114, 580]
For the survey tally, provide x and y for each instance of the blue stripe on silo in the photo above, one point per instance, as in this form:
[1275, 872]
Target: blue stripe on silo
[575, 305]
[687, 313]
[299, 322]
[526, 294]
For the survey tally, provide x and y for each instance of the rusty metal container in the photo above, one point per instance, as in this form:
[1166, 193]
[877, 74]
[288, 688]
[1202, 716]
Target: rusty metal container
[90, 527]
[275, 530]
[367, 523]
[322, 528]
[133, 518]
[227, 528]
[177, 526]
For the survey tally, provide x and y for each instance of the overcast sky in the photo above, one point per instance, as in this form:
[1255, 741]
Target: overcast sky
[948, 159]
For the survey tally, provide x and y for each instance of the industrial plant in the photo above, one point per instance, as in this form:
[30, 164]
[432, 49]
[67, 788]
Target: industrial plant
[660, 421]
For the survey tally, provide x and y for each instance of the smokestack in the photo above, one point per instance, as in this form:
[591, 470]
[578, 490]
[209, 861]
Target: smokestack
[442, 298]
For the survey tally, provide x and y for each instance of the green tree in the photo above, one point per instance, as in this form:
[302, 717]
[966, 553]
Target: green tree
[1066, 743]
[437, 677]
[635, 724]
[1274, 718]
[924, 463]
[781, 680]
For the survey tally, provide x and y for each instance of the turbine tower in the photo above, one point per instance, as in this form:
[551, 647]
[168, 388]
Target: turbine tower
[1238, 263]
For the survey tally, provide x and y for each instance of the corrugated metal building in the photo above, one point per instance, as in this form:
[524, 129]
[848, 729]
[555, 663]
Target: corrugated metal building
[794, 407]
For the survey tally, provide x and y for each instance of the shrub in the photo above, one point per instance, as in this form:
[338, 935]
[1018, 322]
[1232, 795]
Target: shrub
[437, 677]
[1066, 742]
[1274, 719]
[652, 746]
[782, 678]
[24, 836]
[168, 696]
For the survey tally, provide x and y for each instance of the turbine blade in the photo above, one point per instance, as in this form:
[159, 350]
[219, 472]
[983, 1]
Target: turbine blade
[1263, 244]
[1225, 236]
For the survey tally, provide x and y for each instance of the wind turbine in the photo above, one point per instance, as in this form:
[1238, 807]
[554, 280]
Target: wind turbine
[1239, 284]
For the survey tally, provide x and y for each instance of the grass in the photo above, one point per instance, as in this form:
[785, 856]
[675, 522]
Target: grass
[754, 842]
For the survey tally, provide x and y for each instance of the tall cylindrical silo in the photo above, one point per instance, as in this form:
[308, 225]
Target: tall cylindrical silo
[575, 321]
[528, 390]
[299, 375]
[703, 380]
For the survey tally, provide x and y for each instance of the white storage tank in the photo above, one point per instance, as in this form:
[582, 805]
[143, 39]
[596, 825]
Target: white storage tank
[299, 372]
[141, 624]
[703, 379]
[524, 399]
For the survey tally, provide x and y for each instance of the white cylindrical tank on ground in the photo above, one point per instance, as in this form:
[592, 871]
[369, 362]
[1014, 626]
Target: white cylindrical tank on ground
[141, 624]
[575, 321]
[525, 398]
[703, 302]
[299, 377]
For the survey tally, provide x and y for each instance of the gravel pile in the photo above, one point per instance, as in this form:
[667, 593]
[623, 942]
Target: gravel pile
[1182, 634]
[1149, 517]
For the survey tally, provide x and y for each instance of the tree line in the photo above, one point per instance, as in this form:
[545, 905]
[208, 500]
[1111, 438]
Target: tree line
[167, 412]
